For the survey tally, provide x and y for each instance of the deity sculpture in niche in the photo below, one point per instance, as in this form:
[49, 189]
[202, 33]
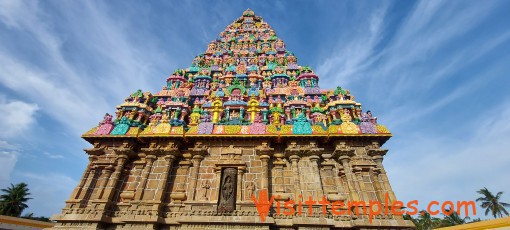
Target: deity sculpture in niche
[227, 197]
[250, 188]
[206, 185]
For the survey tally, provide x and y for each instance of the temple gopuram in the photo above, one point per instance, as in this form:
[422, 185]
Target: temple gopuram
[243, 123]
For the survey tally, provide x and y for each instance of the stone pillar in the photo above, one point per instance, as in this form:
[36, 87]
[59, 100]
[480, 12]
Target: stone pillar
[377, 182]
[377, 156]
[163, 182]
[315, 167]
[80, 188]
[359, 183]
[338, 180]
[328, 177]
[278, 175]
[194, 176]
[179, 195]
[182, 176]
[88, 188]
[113, 181]
[136, 172]
[217, 183]
[240, 188]
[149, 159]
[105, 172]
[265, 174]
[348, 175]
[295, 171]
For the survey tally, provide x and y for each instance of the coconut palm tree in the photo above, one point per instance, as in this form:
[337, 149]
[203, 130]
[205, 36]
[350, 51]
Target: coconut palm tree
[425, 221]
[453, 219]
[13, 201]
[491, 203]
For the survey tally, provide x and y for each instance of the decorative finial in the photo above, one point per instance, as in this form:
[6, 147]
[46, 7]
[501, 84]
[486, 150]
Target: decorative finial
[248, 12]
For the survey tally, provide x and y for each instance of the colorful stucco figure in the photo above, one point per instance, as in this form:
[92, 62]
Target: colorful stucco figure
[247, 62]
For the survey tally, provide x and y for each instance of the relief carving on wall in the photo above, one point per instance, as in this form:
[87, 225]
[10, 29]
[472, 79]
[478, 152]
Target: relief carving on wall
[227, 197]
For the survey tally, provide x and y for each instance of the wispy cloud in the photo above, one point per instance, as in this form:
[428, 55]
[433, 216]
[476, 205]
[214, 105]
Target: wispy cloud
[64, 86]
[53, 156]
[354, 52]
[431, 28]
[451, 168]
[434, 60]
[8, 158]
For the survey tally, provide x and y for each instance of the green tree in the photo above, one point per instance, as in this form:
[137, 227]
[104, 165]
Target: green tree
[425, 221]
[411, 218]
[453, 219]
[491, 203]
[14, 199]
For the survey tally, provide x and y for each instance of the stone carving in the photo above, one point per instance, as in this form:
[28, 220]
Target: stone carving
[206, 185]
[227, 198]
[231, 153]
[250, 188]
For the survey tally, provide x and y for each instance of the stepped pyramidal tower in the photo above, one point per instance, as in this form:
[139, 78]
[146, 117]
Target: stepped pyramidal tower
[243, 123]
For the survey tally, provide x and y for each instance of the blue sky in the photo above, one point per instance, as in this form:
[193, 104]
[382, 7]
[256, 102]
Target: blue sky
[435, 72]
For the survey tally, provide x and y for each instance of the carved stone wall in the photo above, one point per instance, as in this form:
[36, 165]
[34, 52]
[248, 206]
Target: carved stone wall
[176, 184]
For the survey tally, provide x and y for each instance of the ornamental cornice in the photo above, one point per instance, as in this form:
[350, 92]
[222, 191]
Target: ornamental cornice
[199, 149]
[343, 150]
[162, 148]
[303, 149]
[264, 149]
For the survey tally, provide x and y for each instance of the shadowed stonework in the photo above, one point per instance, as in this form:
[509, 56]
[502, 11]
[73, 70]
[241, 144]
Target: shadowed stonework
[244, 118]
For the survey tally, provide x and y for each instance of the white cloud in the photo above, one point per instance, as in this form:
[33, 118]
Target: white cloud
[53, 156]
[8, 159]
[8, 146]
[18, 116]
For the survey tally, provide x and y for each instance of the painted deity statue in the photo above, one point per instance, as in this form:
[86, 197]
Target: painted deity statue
[164, 126]
[301, 126]
[105, 126]
[195, 116]
[205, 126]
[280, 46]
[347, 126]
[276, 118]
[241, 68]
[258, 127]
[367, 124]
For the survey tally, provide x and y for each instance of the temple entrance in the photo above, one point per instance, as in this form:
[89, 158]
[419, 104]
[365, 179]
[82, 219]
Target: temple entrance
[228, 190]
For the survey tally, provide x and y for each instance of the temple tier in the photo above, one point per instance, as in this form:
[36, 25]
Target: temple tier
[245, 118]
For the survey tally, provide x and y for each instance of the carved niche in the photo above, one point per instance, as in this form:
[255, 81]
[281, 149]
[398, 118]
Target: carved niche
[228, 190]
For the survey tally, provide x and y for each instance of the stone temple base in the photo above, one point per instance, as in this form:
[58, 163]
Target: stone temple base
[207, 184]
